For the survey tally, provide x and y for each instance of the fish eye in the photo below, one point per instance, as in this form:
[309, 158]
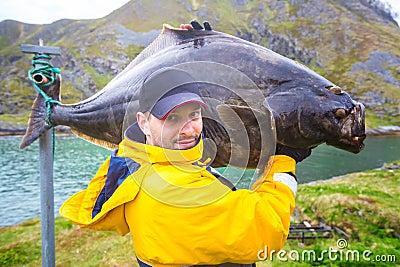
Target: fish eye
[340, 113]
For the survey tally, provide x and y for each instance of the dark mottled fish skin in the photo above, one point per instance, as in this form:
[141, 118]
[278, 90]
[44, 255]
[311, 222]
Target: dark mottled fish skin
[304, 104]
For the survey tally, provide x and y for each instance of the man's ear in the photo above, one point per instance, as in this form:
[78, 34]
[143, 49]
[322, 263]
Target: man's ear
[143, 122]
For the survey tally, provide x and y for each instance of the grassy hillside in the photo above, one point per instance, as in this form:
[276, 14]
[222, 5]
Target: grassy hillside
[351, 43]
[364, 204]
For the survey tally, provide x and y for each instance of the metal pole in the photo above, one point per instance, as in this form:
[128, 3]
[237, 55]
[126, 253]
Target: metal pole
[47, 197]
[46, 174]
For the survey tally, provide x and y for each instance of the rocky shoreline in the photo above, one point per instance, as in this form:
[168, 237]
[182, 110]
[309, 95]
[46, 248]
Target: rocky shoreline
[383, 130]
[7, 129]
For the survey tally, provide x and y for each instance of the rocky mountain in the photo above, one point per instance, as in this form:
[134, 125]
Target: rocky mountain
[353, 43]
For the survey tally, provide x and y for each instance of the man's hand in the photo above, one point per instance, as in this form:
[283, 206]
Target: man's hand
[298, 154]
[195, 25]
[188, 27]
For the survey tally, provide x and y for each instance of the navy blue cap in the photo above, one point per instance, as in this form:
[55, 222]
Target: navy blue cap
[166, 90]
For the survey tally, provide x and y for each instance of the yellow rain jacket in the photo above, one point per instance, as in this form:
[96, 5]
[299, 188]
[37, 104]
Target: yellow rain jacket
[179, 213]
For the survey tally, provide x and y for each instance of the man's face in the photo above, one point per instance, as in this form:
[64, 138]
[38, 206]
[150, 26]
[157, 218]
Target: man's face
[180, 130]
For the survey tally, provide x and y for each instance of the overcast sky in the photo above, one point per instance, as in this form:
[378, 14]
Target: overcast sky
[48, 11]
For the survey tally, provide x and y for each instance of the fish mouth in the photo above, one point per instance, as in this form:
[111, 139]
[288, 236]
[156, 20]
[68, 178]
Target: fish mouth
[352, 130]
[353, 144]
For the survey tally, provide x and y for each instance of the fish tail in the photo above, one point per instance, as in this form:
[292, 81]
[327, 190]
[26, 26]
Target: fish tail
[39, 120]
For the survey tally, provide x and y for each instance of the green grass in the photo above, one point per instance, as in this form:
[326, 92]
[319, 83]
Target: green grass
[21, 246]
[372, 121]
[100, 80]
[15, 119]
[339, 43]
[363, 204]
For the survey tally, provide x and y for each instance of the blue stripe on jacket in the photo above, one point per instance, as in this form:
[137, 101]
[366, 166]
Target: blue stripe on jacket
[118, 170]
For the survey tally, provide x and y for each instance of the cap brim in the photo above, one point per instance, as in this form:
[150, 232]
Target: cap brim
[167, 105]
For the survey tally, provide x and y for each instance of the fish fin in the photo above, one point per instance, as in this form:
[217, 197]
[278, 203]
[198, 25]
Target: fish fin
[165, 39]
[246, 114]
[95, 141]
[236, 128]
[228, 115]
[169, 36]
[166, 27]
[37, 123]
[238, 120]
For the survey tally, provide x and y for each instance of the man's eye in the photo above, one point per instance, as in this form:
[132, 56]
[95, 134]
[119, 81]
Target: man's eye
[195, 114]
[171, 118]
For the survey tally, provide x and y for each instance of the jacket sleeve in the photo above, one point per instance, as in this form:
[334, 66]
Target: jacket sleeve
[79, 207]
[261, 218]
[277, 190]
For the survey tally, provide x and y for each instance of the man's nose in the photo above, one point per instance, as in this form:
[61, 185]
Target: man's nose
[187, 128]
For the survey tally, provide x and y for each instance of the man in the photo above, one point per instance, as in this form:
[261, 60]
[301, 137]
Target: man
[178, 212]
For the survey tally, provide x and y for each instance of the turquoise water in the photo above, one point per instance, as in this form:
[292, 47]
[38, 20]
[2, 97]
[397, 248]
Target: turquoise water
[76, 161]
[327, 161]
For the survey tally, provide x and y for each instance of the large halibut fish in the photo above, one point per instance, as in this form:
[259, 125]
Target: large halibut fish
[248, 88]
